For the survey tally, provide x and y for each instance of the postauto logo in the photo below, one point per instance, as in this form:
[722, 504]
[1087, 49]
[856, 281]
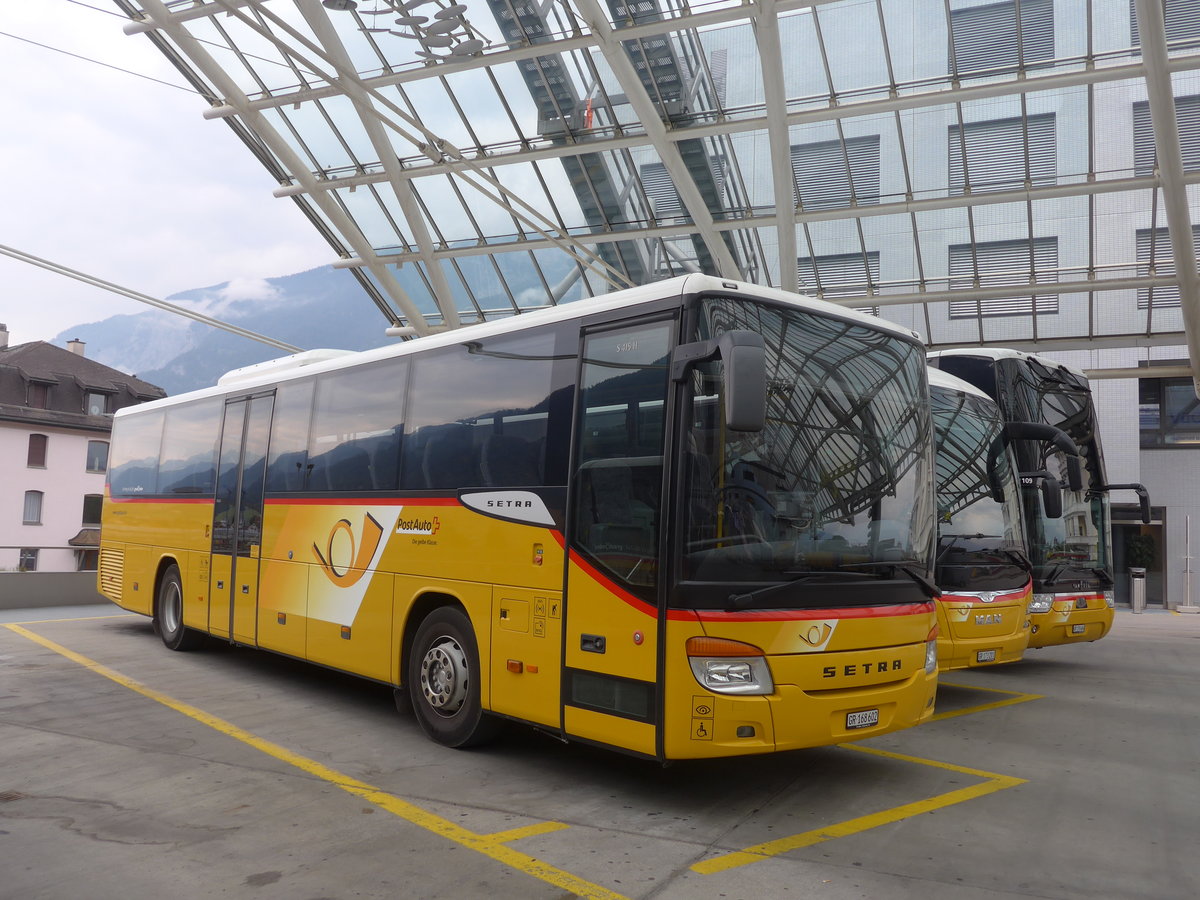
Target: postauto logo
[346, 558]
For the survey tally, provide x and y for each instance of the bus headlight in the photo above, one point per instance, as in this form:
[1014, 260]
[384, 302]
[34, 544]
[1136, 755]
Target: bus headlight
[729, 667]
[1111, 599]
[931, 651]
[1041, 603]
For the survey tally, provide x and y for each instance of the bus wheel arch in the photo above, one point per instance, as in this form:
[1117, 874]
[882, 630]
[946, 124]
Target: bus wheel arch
[442, 674]
[168, 609]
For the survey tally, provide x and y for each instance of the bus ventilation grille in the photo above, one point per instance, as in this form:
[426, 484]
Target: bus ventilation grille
[112, 572]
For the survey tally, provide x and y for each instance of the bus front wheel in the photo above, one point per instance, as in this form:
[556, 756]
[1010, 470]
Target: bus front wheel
[443, 681]
[168, 614]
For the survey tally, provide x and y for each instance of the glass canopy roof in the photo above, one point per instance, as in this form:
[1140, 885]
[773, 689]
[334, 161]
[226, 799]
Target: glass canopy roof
[1020, 173]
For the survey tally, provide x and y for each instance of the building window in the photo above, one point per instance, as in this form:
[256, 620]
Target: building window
[37, 451]
[832, 174]
[840, 275]
[1154, 251]
[87, 560]
[1168, 413]
[97, 456]
[33, 508]
[92, 504]
[1182, 18]
[1003, 154]
[97, 403]
[1006, 35]
[39, 395]
[1187, 117]
[28, 560]
[997, 263]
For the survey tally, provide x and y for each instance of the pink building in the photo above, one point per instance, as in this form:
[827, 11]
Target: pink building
[55, 418]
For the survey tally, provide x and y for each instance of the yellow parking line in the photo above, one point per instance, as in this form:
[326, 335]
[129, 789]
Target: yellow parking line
[488, 845]
[515, 834]
[759, 852]
[1014, 698]
[76, 619]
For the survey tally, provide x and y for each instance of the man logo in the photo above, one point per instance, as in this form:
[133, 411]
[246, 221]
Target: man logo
[341, 562]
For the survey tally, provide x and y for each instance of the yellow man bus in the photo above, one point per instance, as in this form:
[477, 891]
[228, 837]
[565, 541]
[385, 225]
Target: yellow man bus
[1071, 553]
[692, 519]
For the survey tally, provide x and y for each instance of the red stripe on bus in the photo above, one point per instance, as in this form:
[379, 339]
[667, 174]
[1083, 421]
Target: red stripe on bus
[362, 501]
[794, 615]
[161, 499]
[757, 615]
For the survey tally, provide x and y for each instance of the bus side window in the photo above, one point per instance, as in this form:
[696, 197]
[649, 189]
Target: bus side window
[133, 469]
[287, 467]
[188, 462]
[492, 413]
[355, 435]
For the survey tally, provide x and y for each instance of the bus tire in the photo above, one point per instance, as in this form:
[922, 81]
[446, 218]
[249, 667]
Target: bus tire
[168, 613]
[443, 681]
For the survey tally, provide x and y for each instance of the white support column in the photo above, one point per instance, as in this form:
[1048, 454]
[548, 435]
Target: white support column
[770, 55]
[1152, 30]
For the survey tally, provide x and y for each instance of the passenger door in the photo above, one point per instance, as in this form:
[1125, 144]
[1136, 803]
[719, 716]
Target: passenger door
[238, 517]
[611, 629]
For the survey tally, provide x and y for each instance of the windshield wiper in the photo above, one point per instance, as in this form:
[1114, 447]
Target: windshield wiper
[1052, 579]
[1102, 574]
[1019, 556]
[954, 539]
[741, 601]
[899, 566]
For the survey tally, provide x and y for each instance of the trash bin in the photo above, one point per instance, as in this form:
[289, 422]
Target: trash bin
[1137, 590]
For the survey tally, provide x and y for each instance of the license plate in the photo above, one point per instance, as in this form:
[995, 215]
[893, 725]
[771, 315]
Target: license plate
[862, 719]
[1078, 629]
[985, 656]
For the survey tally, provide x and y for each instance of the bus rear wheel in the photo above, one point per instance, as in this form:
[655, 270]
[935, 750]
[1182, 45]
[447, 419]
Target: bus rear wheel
[443, 681]
[168, 614]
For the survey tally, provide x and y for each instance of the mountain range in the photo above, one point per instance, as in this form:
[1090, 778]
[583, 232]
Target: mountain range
[322, 307]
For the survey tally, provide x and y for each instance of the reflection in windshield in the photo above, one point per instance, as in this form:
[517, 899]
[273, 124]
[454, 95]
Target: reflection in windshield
[840, 476]
[1070, 546]
[979, 537]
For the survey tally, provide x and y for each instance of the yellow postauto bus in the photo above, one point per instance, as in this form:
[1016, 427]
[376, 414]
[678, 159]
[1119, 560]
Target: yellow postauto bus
[982, 566]
[1071, 553]
[692, 519]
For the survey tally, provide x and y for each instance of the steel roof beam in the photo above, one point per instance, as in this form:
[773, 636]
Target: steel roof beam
[668, 150]
[1049, 192]
[291, 161]
[1050, 345]
[1152, 30]
[325, 34]
[843, 110]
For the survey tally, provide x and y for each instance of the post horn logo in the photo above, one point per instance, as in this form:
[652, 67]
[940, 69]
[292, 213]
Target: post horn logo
[346, 568]
[817, 634]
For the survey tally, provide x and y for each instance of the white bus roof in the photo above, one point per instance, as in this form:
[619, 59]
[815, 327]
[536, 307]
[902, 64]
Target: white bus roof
[994, 353]
[947, 382]
[314, 361]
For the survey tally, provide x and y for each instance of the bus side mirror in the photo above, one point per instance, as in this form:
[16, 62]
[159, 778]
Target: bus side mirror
[743, 356]
[1143, 497]
[1051, 492]
[1034, 431]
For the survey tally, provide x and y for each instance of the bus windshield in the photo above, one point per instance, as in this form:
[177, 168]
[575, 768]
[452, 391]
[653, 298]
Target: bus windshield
[979, 536]
[1073, 547]
[838, 485]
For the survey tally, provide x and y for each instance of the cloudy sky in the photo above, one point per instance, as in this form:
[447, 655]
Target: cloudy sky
[120, 177]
